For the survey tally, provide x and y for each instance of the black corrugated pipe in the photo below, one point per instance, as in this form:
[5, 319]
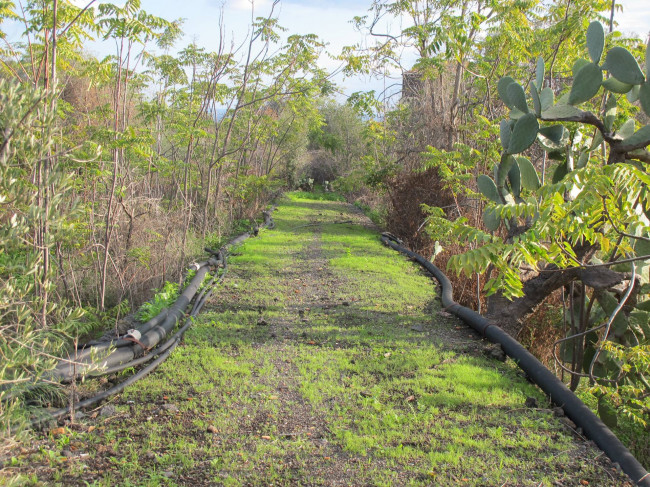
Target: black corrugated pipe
[87, 358]
[561, 395]
[126, 350]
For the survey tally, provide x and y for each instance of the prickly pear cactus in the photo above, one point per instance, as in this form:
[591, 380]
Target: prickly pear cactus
[597, 198]
[520, 131]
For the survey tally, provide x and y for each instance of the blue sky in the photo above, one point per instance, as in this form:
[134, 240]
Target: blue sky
[329, 19]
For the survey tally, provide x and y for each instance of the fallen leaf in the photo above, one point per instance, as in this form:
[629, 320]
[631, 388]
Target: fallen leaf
[410, 399]
[387, 354]
[265, 437]
[90, 429]
[584, 482]
[57, 431]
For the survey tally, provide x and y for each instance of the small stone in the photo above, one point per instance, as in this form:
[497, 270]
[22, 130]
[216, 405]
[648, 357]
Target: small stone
[67, 453]
[168, 474]
[108, 410]
[558, 411]
[261, 322]
[569, 423]
[345, 303]
[531, 402]
[212, 429]
[150, 455]
[417, 328]
[496, 353]
[172, 408]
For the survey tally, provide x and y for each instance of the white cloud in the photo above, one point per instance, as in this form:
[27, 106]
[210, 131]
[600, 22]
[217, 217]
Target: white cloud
[247, 4]
[635, 18]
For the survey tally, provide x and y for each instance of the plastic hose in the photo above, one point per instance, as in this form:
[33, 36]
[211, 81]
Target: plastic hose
[560, 394]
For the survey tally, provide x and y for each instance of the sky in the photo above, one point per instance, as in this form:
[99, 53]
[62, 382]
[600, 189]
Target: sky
[329, 19]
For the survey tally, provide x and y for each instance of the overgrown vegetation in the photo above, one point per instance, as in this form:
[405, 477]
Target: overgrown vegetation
[112, 171]
[325, 360]
[115, 172]
[520, 222]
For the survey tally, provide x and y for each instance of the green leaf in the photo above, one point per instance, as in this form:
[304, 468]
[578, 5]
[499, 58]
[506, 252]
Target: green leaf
[647, 60]
[644, 97]
[559, 173]
[507, 161]
[505, 129]
[491, 219]
[539, 73]
[502, 86]
[524, 133]
[517, 97]
[558, 112]
[622, 65]
[595, 41]
[586, 84]
[529, 177]
[487, 187]
[514, 177]
[608, 303]
[578, 65]
[597, 140]
[547, 98]
[641, 320]
[607, 412]
[615, 86]
[626, 129]
[633, 95]
[566, 351]
[583, 159]
[553, 137]
[642, 247]
[537, 104]
[640, 136]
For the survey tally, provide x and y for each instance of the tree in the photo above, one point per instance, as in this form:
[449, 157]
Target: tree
[587, 228]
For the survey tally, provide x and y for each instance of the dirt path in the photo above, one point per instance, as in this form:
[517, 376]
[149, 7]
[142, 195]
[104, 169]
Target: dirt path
[324, 360]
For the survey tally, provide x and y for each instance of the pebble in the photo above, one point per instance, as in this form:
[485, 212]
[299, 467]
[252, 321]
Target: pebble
[108, 410]
[558, 411]
[569, 423]
[173, 408]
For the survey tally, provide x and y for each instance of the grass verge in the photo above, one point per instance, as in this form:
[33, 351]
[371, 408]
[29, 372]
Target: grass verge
[325, 359]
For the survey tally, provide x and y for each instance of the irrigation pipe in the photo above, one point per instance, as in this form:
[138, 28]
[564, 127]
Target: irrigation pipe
[128, 354]
[574, 408]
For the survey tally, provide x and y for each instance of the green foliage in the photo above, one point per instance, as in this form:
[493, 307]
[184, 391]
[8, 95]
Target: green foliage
[592, 212]
[34, 328]
[163, 298]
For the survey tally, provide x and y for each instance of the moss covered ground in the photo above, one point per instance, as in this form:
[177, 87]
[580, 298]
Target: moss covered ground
[324, 359]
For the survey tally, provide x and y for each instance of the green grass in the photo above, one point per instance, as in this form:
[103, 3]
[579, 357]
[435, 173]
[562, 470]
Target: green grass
[322, 360]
